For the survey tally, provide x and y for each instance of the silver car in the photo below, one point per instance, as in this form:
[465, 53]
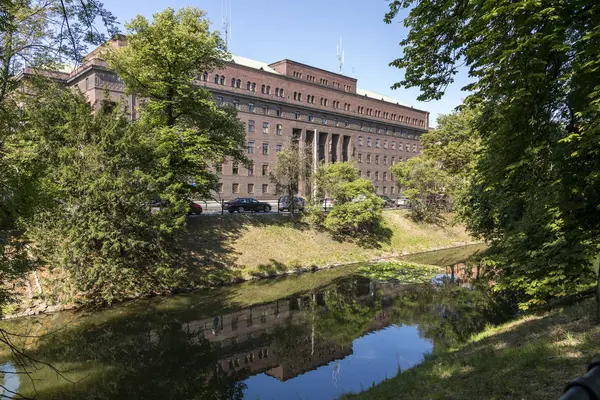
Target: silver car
[284, 203]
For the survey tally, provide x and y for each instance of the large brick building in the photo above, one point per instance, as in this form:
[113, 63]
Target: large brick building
[326, 111]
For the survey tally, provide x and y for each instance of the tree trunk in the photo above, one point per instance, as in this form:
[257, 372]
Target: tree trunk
[37, 282]
[598, 298]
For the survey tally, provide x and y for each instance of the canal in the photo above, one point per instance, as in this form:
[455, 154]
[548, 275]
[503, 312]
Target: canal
[312, 336]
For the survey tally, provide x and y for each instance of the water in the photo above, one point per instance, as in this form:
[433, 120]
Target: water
[314, 336]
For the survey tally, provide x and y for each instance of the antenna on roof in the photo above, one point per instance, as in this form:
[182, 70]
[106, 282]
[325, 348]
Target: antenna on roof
[340, 55]
[226, 15]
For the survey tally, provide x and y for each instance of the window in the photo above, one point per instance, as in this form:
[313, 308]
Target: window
[325, 102]
[235, 187]
[219, 168]
[393, 145]
[298, 114]
[385, 144]
[220, 188]
[360, 141]
[310, 118]
[377, 159]
[324, 120]
[399, 146]
[251, 188]
[368, 159]
[295, 95]
[232, 82]
[250, 147]
[236, 104]
[369, 141]
[205, 76]
[278, 111]
[235, 169]
[250, 126]
[281, 93]
[369, 174]
[265, 128]
[361, 126]
[377, 143]
[262, 89]
[360, 174]
[384, 189]
[279, 129]
[251, 170]
[385, 176]
[385, 160]
[299, 96]
[335, 122]
[217, 79]
[219, 100]
[376, 175]
[359, 157]
[265, 169]
[268, 89]
[393, 160]
[392, 190]
[414, 148]
[250, 107]
[266, 109]
[265, 188]
[254, 86]
[265, 149]
[346, 124]
[249, 85]
[278, 148]
[222, 81]
[238, 83]
[276, 91]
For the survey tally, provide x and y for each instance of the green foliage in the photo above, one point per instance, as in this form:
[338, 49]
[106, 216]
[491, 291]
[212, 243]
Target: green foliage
[535, 66]
[399, 271]
[292, 167]
[100, 174]
[357, 210]
[161, 63]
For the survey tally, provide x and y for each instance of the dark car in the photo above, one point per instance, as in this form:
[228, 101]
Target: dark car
[242, 204]
[387, 202]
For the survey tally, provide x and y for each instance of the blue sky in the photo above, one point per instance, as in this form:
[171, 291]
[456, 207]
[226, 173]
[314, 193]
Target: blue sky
[308, 31]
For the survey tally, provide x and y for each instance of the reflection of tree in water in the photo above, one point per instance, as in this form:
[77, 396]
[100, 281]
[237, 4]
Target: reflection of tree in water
[449, 314]
[138, 362]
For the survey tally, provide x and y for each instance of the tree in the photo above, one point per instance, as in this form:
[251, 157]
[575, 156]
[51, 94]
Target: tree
[535, 67]
[357, 210]
[435, 181]
[427, 186]
[293, 166]
[161, 63]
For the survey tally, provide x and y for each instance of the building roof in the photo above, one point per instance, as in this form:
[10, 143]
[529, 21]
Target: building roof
[247, 62]
[378, 96]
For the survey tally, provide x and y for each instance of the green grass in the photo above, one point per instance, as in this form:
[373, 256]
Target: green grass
[533, 357]
[260, 245]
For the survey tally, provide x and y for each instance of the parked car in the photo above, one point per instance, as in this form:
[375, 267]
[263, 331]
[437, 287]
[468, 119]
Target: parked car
[327, 203]
[242, 204]
[402, 201]
[195, 208]
[387, 202]
[284, 203]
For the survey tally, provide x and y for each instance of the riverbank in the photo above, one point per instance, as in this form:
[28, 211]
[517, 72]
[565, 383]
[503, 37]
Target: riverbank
[533, 357]
[230, 249]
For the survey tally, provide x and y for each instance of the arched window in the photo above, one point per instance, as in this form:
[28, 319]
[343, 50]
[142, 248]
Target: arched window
[281, 92]
[205, 76]
[299, 96]
[217, 79]
[295, 95]
[238, 84]
[232, 82]
[268, 89]
[222, 79]
[262, 89]
[249, 85]
[276, 91]
[254, 86]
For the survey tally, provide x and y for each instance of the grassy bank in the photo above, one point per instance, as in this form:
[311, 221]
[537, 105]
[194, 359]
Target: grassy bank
[533, 357]
[247, 245]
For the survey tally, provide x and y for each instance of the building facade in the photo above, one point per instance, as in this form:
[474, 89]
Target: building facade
[285, 101]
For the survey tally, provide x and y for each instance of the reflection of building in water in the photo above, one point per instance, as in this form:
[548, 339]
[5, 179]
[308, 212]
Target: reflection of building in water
[246, 342]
